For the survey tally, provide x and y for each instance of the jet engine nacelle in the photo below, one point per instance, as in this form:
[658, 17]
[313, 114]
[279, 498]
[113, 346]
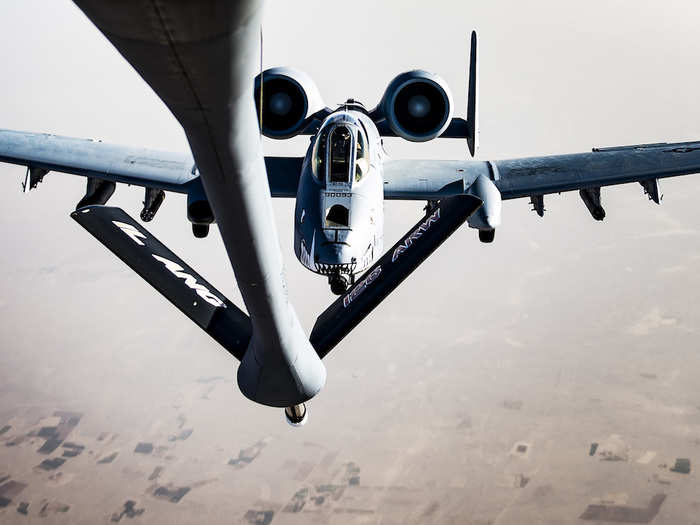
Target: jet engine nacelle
[289, 98]
[417, 105]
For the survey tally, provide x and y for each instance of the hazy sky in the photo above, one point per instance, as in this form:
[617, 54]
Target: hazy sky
[555, 77]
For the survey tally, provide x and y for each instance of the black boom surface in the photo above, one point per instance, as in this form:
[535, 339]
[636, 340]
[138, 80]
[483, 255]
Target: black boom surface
[341, 317]
[168, 274]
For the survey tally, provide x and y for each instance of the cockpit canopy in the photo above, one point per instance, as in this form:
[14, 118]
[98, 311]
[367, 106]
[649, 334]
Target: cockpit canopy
[340, 154]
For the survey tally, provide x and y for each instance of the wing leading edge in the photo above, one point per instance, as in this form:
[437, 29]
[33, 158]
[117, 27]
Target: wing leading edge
[537, 176]
[343, 315]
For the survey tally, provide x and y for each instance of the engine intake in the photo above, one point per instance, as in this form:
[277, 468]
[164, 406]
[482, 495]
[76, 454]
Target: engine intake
[417, 105]
[289, 98]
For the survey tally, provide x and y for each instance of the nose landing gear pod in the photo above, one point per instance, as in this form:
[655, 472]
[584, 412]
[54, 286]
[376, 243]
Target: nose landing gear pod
[339, 283]
[296, 415]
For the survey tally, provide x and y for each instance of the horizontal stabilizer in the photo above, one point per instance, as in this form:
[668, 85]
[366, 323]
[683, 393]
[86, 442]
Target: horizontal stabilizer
[341, 317]
[168, 274]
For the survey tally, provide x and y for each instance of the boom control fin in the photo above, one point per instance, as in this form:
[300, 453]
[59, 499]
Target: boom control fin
[343, 315]
[472, 98]
[168, 274]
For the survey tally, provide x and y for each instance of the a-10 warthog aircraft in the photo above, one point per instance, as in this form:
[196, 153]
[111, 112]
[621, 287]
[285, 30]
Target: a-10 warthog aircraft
[202, 59]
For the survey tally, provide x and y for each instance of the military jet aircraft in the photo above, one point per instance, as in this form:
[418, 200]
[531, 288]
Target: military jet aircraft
[202, 59]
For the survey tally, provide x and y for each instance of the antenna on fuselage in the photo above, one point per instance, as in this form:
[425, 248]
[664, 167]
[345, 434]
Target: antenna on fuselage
[472, 98]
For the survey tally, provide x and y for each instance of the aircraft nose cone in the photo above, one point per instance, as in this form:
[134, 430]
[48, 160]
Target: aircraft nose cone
[335, 254]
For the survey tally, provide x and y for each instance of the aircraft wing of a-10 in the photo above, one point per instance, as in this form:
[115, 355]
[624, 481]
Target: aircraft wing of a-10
[339, 185]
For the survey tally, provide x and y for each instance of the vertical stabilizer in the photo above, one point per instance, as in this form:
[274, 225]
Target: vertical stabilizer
[472, 100]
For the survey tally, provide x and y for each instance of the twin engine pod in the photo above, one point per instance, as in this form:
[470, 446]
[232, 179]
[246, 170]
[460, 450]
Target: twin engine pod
[417, 106]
